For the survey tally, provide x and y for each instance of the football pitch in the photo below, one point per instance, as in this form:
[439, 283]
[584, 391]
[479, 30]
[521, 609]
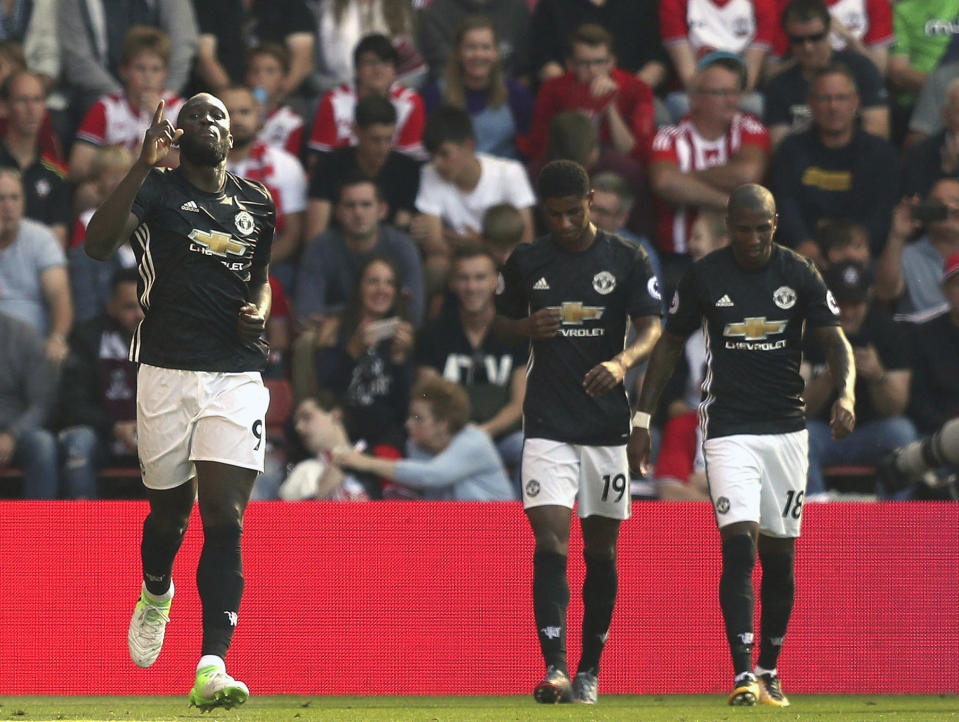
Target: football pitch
[612, 708]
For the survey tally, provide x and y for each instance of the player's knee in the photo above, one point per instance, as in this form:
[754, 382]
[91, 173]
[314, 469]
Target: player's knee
[739, 555]
[167, 526]
[778, 565]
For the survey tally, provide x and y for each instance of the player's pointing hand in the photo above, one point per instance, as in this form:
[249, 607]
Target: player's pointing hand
[159, 138]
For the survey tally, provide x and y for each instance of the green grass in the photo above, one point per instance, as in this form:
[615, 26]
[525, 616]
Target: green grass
[661, 708]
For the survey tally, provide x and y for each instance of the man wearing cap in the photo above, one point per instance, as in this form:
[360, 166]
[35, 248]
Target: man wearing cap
[882, 381]
[696, 163]
[806, 24]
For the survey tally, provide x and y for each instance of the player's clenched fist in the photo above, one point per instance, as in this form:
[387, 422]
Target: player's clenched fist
[159, 138]
[544, 323]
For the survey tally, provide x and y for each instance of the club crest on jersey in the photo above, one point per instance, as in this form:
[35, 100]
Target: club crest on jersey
[243, 222]
[604, 282]
[784, 297]
[652, 285]
[831, 302]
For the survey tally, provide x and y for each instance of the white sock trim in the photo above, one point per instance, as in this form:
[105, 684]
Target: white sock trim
[762, 670]
[211, 659]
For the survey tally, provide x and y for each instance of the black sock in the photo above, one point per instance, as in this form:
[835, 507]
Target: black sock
[599, 597]
[776, 596]
[219, 579]
[550, 601]
[158, 548]
[736, 598]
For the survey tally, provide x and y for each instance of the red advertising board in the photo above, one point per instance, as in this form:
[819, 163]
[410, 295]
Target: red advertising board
[402, 597]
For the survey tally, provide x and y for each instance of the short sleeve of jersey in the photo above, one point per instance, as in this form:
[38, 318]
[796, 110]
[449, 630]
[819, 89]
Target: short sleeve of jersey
[880, 23]
[47, 250]
[685, 315]
[409, 137]
[644, 296]
[323, 135]
[264, 247]
[520, 191]
[672, 20]
[755, 133]
[821, 307]
[512, 302]
[901, 19]
[664, 146]
[429, 199]
[766, 23]
[93, 127]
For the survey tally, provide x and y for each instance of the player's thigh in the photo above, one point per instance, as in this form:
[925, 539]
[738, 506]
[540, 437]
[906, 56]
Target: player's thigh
[550, 473]
[166, 411]
[785, 464]
[734, 476]
[604, 482]
[231, 427]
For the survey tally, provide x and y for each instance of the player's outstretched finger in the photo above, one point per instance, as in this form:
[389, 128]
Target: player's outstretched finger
[158, 115]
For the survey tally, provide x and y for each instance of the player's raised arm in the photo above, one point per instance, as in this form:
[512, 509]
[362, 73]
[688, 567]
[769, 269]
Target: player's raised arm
[662, 361]
[842, 368]
[112, 223]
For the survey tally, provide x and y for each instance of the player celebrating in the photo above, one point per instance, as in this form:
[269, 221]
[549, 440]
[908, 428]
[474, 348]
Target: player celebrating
[754, 296]
[202, 240]
[572, 292]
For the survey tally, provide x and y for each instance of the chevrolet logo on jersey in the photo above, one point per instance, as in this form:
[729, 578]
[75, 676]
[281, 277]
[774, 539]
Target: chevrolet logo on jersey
[755, 328]
[217, 243]
[574, 312]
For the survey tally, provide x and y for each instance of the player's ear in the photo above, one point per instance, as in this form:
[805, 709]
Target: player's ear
[229, 137]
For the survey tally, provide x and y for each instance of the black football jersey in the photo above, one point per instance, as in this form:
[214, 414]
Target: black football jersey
[753, 321]
[598, 291]
[194, 253]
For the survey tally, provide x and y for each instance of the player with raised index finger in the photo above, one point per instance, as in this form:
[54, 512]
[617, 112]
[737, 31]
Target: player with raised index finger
[202, 240]
[573, 292]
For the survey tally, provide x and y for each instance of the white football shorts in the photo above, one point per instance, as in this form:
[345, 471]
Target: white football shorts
[187, 416]
[554, 472]
[760, 478]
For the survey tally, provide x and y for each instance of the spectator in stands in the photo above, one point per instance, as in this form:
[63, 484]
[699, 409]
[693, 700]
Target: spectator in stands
[863, 27]
[279, 171]
[620, 103]
[457, 460]
[935, 381]
[318, 422]
[927, 118]
[34, 286]
[696, 164]
[363, 354]
[12, 59]
[375, 61]
[98, 392]
[440, 20]
[908, 275]
[268, 65]
[45, 187]
[882, 381]
[341, 24]
[122, 118]
[91, 281]
[228, 29]
[457, 187]
[27, 390]
[95, 32]
[680, 473]
[475, 79]
[937, 156]
[503, 229]
[834, 169]
[692, 29]
[396, 174]
[806, 24]
[843, 239]
[461, 347]
[330, 262]
[633, 25]
[613, 200]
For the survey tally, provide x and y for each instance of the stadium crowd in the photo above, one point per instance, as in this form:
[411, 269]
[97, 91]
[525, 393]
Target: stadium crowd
[401, 142]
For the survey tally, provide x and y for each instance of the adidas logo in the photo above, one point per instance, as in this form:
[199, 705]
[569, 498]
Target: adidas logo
[190, 206]
[541, 284]
[724, 302]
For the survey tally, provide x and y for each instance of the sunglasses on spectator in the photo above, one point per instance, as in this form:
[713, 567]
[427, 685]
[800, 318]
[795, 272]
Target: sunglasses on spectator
[811, 38]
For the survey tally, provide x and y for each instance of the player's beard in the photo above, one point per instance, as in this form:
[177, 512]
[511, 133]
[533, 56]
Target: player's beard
[201, 151]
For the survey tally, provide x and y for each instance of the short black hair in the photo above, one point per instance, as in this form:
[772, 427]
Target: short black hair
[374, 109]
[447, 124]
[833, 69]
[123, 275]
[562, 179]
[378, 44]
[802, 11]
[472, 249]
[356, 177]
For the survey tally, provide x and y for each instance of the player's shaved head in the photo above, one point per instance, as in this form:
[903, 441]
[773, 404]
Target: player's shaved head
[751, 197]
[204, 98]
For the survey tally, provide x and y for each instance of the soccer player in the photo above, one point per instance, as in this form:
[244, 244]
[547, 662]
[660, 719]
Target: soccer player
[753, 299]
[202, 241]
[571, 292]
